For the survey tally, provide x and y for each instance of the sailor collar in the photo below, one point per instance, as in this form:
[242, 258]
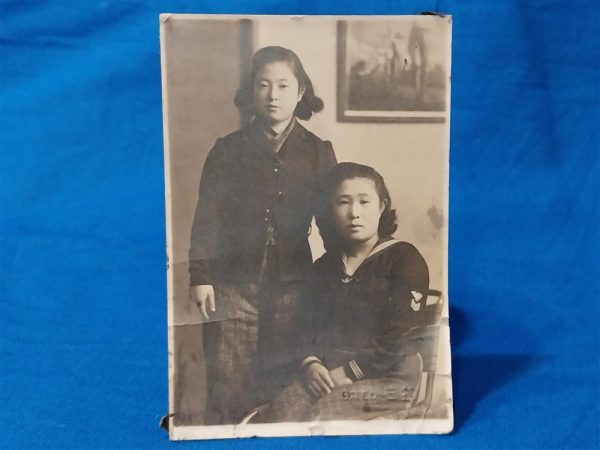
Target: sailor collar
[377, 249]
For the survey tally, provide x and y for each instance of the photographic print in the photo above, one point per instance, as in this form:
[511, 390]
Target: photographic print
[307, 254]
[392, 70]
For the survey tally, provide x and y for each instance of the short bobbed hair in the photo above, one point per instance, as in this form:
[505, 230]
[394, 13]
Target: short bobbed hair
[323, 207]
[308, 104]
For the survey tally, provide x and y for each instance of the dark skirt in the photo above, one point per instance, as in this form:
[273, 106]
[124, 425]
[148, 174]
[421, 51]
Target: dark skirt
[388, 397]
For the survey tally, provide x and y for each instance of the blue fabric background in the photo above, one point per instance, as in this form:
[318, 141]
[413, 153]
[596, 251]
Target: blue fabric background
[83, 336]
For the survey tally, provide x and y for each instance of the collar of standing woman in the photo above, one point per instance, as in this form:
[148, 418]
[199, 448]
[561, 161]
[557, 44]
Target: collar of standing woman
[266, 137]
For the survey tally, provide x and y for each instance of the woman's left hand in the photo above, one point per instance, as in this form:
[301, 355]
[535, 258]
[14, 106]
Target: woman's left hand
[338, 375]
[317, 380]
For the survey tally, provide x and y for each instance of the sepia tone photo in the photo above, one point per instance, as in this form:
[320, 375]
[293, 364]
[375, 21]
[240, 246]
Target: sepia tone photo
[306, 179]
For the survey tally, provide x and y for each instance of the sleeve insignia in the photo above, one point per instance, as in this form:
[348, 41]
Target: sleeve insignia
[415, 302]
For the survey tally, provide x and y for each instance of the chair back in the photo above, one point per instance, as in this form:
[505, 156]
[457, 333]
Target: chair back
[425, 339]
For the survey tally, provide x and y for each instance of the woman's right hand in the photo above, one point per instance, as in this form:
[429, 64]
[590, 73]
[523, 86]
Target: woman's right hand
[203, 295]
[317, 380]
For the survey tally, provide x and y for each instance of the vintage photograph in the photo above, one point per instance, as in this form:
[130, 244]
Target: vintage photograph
[306, 187]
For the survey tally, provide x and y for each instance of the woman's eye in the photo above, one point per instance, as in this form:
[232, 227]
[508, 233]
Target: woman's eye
[364, 202]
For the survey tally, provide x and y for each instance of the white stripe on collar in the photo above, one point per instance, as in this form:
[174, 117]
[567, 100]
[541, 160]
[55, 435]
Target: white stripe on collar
[382, 246]
[374, 250]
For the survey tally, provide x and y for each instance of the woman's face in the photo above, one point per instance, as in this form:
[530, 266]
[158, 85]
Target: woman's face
[357, 210]
[276, 93]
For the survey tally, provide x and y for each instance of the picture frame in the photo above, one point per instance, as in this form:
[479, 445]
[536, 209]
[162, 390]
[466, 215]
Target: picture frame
[392, 71]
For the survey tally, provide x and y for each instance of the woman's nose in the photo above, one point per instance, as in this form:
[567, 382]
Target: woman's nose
[274, 93]
[355, 210]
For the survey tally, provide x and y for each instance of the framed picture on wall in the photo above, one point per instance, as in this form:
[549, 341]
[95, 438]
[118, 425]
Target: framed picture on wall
[299, 302]
[392, 70]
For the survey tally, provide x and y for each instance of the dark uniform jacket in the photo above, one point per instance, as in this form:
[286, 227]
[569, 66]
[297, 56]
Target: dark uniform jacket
[361, 322]
[247, 188]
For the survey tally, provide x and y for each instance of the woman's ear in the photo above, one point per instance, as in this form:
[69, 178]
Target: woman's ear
[301, 91]
[382, 206]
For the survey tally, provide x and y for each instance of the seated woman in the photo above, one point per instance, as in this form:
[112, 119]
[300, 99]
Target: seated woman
[368, 291]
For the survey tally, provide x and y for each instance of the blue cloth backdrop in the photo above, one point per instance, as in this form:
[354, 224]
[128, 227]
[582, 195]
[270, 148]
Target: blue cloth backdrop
[83, 336]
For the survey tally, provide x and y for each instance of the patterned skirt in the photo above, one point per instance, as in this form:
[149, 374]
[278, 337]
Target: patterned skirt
[248, 347]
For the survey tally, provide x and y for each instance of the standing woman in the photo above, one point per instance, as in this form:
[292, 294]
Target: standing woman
[249, 253]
